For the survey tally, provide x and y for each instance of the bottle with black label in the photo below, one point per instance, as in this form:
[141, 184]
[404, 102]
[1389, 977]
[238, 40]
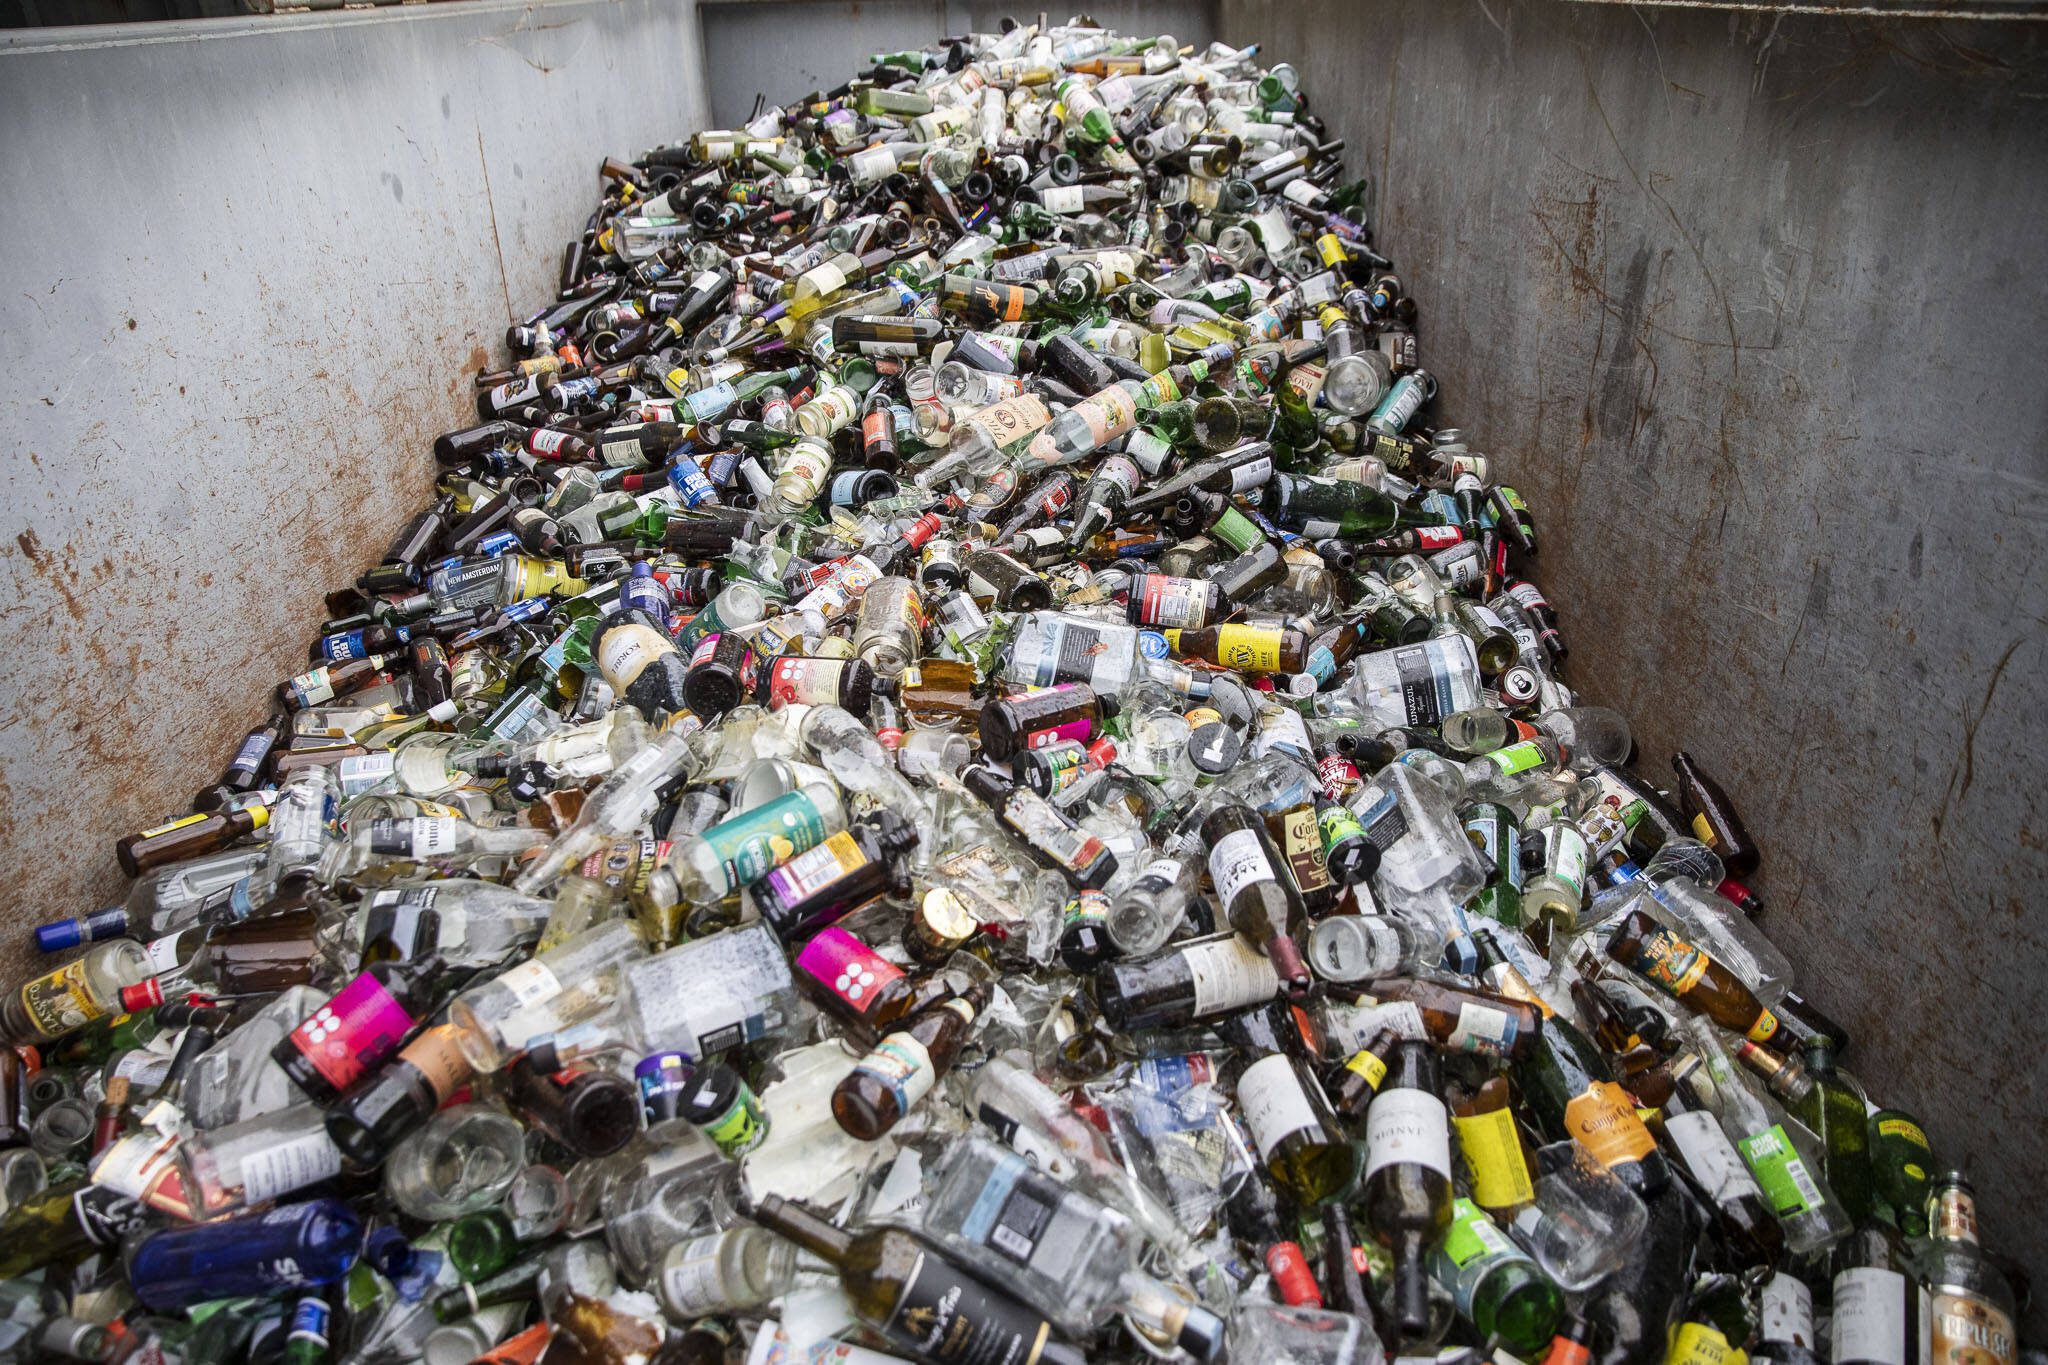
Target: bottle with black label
[917, 1298]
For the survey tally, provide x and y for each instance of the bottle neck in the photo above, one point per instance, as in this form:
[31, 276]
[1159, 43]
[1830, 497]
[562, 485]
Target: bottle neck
[1954, 1217]
[808, 1231]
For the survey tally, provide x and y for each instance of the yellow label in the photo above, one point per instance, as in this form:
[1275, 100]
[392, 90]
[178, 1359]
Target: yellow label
[1605, 1123]
[1697, 1344]
[1902, 1128]
[1500, 1174]
[1368, 1064]
[1765, 1028]
[1254, 648]
[60, 1001]
[1704, 832]
[179, 823]
[259, 816]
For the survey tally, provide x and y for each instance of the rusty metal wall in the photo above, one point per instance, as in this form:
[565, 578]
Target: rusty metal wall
[250, 265]
[1752, 308]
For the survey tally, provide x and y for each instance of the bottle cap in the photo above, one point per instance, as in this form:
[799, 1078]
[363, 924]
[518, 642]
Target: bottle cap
[145, 995]
[444, 711]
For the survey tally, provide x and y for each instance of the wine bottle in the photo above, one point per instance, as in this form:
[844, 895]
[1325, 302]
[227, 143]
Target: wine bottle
[916, 1298]
[1304, 1151]
[1407, 1194]
[1254, 891]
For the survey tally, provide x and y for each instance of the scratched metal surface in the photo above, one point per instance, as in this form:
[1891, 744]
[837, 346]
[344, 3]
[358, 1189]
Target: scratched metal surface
[250, 265]
[1753, 311]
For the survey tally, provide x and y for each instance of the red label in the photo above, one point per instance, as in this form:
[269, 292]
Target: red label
[354, 1033]
[1292, 1277]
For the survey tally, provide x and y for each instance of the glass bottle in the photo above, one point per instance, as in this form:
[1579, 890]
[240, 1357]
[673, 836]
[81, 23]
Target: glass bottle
[901, 1069]
[1406, 1196]
[1972, 1312]
[54, 1003]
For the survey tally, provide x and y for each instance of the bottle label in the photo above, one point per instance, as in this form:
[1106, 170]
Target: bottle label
[1500, 1173]
[1301, 842]
[1427, 691]
[1697, 1344]
[416, 837]
[624, 454]
[60, 1001]
[902, 1065]
[1271, 1098]
[848, 968]
[1780, 1171]
[1517, 758]
[752, 843]
[1369, 1065]
[1870, 1316]
[290, 1163]
[170, 825]
[530, 982]
[1253, 649]
[1785, 1311]
[1384, 822]
[711, 993]
[1904, 1129]
[1603, 1119]
[690, 1280]
[1406, 1125]
[809, 873]
[947, 1318]
[805, 682]
[627, 650]
[354, 1033]
[1229, 974]
[1292, 1276]
[1671, 962]
[1970, 1331]
[1238, 861]
[1472, 1235]
[1711, 1157]
[1482, 1028]
[1012, 1210]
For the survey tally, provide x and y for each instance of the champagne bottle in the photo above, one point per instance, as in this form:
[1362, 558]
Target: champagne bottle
[920, 1301]
[1407, 1193]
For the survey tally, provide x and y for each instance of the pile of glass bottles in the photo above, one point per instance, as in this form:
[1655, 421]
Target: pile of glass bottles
[958, 772]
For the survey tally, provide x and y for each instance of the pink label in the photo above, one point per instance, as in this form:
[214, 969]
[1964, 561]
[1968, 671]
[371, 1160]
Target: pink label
[354, 1033]
[847, 967]
[706, 647]
[1073, 729]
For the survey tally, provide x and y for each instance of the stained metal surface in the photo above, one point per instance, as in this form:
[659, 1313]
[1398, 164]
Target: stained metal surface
[250, 265]
[786, 48]
[1752, 310]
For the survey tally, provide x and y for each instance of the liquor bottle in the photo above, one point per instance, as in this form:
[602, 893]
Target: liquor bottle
[861, 989]
[189, 836]
[1972, 1314]
[1784, 1331]
[1011, 725]
[901, 1069]
[1321, 508]
[1304, 1151]
[381, 1111]
[827, 883]
[231, 1168]
[1838, 1117]
[1257, 898]
[1745, 1218]
[1050, 837]
[1146, 913]
[1877, 1302]
[54, 1003]
[1713, 817]
[723, 1272]
[170, 898]
[1496, 1286]
[1688, 974]
[1901, 1165]
[1407, 1188]
[1058, 1250]
[745, 847]
[1491, 1146]
[360, 1027]
[1249, 648]
[919, 1300]
[293, 1247]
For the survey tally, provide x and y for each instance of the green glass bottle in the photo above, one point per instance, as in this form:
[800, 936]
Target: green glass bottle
[1496, 1285]
[1837, 1116]
[1901, 1164]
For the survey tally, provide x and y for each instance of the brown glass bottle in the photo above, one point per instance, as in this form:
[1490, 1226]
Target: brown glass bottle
[592, 1113]
[1253, 649]
[255, 957]
[904, 1066]
[916, 1298]
[1687, 974]
[1010, 725]
[189, 837]
[933, 691]
[860, 988]
[1461, 1019]
[1713, 817]
[245, 771]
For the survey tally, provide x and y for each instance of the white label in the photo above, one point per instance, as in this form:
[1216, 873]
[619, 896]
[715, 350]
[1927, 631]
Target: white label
[622, 454]
[1408, 1125]
[1229, 974]
[530, 983]
[1351, 1027]
[434, 836]
[1062, 199]
[1786, 1312]
[1273, 1103]
[545, 442]
[1481, 1028]
[289, 1164]
[163, 954]
[828, 278]
[625, 651]
[1715, 1163]
[1870, 1317]
[690, 1280]
[1237, 862]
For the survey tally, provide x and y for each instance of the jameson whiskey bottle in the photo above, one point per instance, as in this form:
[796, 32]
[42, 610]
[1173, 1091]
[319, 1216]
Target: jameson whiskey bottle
[919, 1300]
[1972, 1305]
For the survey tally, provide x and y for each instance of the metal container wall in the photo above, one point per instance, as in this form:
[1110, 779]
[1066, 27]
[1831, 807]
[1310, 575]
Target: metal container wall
[250, 265]
[1751, 307]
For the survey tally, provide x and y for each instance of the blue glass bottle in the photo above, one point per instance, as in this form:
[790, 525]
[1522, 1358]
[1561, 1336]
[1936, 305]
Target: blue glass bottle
[288, 1248]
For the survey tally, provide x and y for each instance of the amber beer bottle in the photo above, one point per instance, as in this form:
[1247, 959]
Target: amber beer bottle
[1687, 974]
[189, 837]
[1712, 815]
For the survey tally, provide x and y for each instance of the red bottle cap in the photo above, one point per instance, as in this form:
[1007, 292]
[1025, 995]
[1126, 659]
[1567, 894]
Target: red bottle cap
[148, 995]
[1292, 1277]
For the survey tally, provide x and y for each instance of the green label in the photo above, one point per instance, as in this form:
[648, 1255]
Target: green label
[1517, 758]
[1776, 1165]
[752, 844]
[1236, 531]
[1472, 1235]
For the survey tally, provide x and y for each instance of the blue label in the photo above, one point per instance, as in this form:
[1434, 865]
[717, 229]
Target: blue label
[340, 648]
[1152, 644]
[497, 543]
[988, 1205]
